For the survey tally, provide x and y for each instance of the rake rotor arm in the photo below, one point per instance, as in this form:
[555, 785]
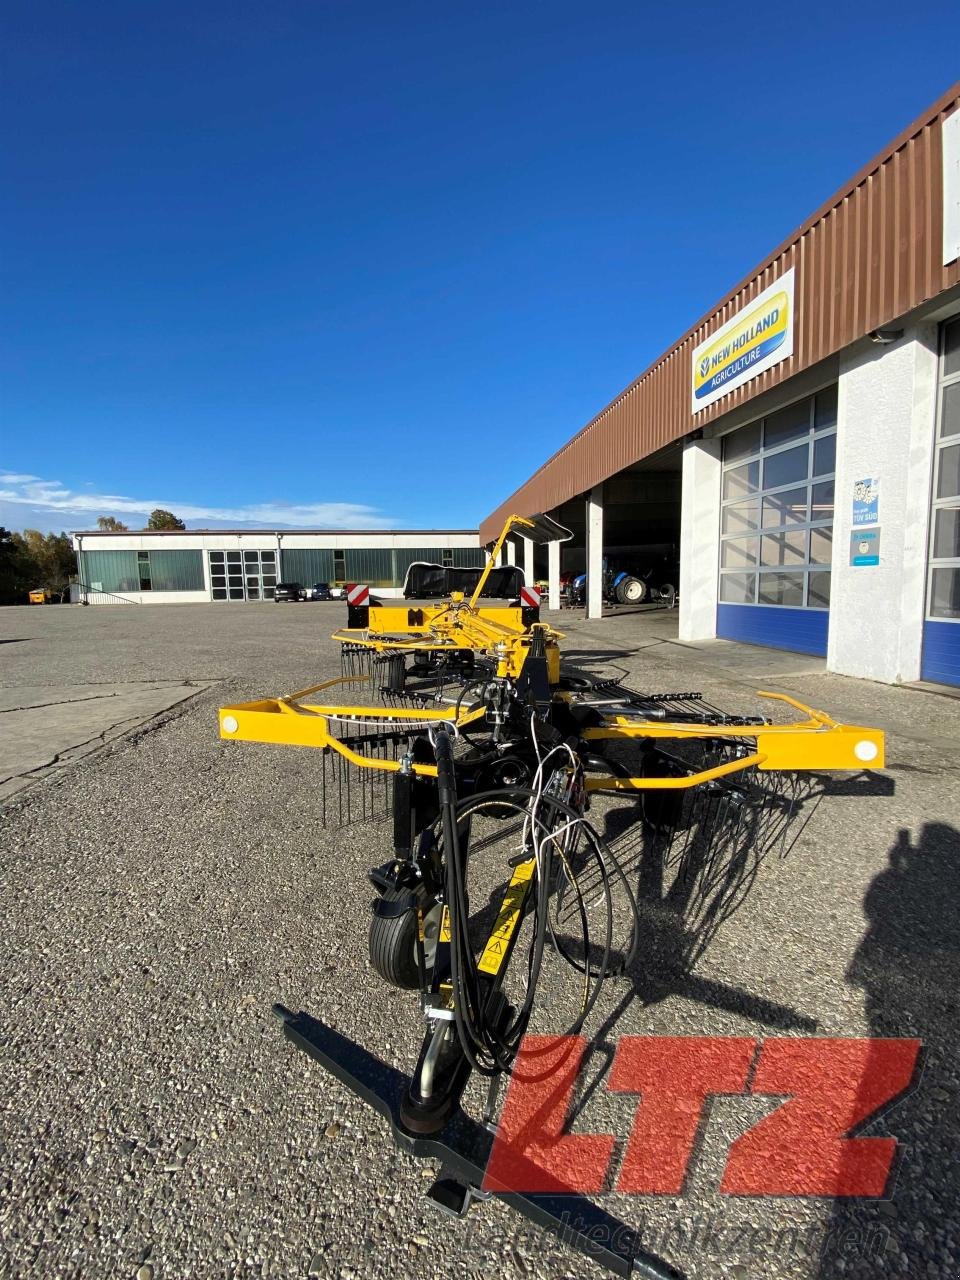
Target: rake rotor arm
[538, 529]
[812, 744]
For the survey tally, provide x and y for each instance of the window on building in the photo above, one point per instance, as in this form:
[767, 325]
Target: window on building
[447, 557]
[339, 567]
[943, 585]
[250, 574]
[123, 572]
[776, 521]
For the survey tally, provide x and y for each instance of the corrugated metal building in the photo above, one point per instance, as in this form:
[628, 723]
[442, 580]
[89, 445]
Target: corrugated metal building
[812, 423]
[224, 565]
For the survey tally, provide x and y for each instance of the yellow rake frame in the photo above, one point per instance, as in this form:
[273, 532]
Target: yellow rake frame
[813, 743]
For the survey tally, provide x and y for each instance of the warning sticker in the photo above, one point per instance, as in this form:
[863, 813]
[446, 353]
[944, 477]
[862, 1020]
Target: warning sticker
[499, 941]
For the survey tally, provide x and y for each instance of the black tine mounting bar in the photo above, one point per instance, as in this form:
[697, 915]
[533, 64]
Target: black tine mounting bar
[463, 1147]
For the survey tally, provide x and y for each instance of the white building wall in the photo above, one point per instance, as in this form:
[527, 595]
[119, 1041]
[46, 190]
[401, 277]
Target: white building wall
[594, 532]
[215, 541]
[141, 542]
[885, 430]
[699, 540]
[343, 541]
[148, 597]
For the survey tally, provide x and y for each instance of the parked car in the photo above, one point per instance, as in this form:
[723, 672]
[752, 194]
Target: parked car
[287, 591]
[319, 591]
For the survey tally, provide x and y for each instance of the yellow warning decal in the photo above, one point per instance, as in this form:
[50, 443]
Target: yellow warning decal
[445, 925]
[499, 941]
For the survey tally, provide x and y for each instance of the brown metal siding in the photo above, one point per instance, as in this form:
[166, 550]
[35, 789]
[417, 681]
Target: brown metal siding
[869, 255]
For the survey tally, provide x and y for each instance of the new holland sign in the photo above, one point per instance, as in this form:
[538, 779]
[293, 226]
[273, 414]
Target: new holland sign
[758, 337]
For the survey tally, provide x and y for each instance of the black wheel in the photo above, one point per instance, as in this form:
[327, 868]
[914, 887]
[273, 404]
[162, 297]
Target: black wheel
[630, 590]
[393, 943]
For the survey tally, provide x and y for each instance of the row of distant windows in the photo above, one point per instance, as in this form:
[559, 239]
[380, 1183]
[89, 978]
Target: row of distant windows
[243, 575]
[238, 557]
[776, 521]
[253, 574]
[943, 589]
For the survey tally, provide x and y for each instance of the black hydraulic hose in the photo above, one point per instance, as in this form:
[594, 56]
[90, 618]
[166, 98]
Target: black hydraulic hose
[489, 1048]
[465, 994]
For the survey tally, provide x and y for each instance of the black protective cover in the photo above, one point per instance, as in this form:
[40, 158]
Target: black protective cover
[436, 581]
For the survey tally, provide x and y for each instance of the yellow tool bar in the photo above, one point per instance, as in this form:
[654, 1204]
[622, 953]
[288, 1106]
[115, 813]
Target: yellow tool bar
[812, 744]
[283, 720]
[387, 619]
[466, 631]
[671, 783]
[324, 684]
[498, 944]
[274, 720]
[782, 746]
[815, 743]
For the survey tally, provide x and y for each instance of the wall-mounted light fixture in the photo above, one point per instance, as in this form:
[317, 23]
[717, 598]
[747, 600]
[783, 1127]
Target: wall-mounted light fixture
[884, 337]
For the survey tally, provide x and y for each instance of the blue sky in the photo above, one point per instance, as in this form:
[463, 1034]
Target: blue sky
[361, 264]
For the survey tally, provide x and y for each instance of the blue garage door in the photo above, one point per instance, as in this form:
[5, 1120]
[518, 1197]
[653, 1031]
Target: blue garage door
[776, 527]
[941, 629]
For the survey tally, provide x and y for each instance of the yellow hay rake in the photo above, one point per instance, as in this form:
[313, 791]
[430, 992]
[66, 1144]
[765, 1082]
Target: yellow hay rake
[457, 716]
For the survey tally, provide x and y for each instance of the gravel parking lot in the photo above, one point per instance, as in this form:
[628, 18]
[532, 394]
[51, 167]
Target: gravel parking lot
[160, 894]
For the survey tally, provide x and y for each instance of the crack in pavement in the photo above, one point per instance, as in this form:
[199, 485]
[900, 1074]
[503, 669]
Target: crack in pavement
[62, 756]
[61, 702]
[152, 686]
[173, 697]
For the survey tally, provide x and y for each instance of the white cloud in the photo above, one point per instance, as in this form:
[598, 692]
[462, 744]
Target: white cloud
[82, 509]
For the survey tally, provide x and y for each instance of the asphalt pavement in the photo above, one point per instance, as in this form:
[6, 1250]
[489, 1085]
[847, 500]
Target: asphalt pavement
[161, 890]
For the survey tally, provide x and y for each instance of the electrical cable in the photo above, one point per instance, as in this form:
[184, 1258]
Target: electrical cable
[550, 831]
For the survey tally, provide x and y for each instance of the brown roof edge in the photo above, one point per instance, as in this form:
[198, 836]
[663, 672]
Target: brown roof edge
[926, 118]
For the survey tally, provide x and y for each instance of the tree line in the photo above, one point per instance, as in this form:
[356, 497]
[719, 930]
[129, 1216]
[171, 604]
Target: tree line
[32, 560]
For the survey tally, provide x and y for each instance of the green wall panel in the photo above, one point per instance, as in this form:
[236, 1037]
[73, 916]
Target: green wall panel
[469, 557]
[176, 570]
[306, 565]
[371, 565]
[406, 556]
[120, 571]
[109, 571]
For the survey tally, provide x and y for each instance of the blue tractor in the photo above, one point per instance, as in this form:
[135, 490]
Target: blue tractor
[620, 588]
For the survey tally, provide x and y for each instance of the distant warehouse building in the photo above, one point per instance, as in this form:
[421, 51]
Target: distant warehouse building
[800, 444]
[223, 565]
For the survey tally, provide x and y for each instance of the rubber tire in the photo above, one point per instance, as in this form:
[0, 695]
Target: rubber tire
[631, 590]
[393, 945]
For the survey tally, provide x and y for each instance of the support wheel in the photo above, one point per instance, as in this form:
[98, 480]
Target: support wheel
[393, 943]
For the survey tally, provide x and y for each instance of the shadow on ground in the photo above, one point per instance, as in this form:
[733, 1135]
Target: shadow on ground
[908, 966]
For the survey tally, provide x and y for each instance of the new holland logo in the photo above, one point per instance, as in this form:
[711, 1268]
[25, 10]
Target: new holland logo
[760, 332]
[760, 336]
